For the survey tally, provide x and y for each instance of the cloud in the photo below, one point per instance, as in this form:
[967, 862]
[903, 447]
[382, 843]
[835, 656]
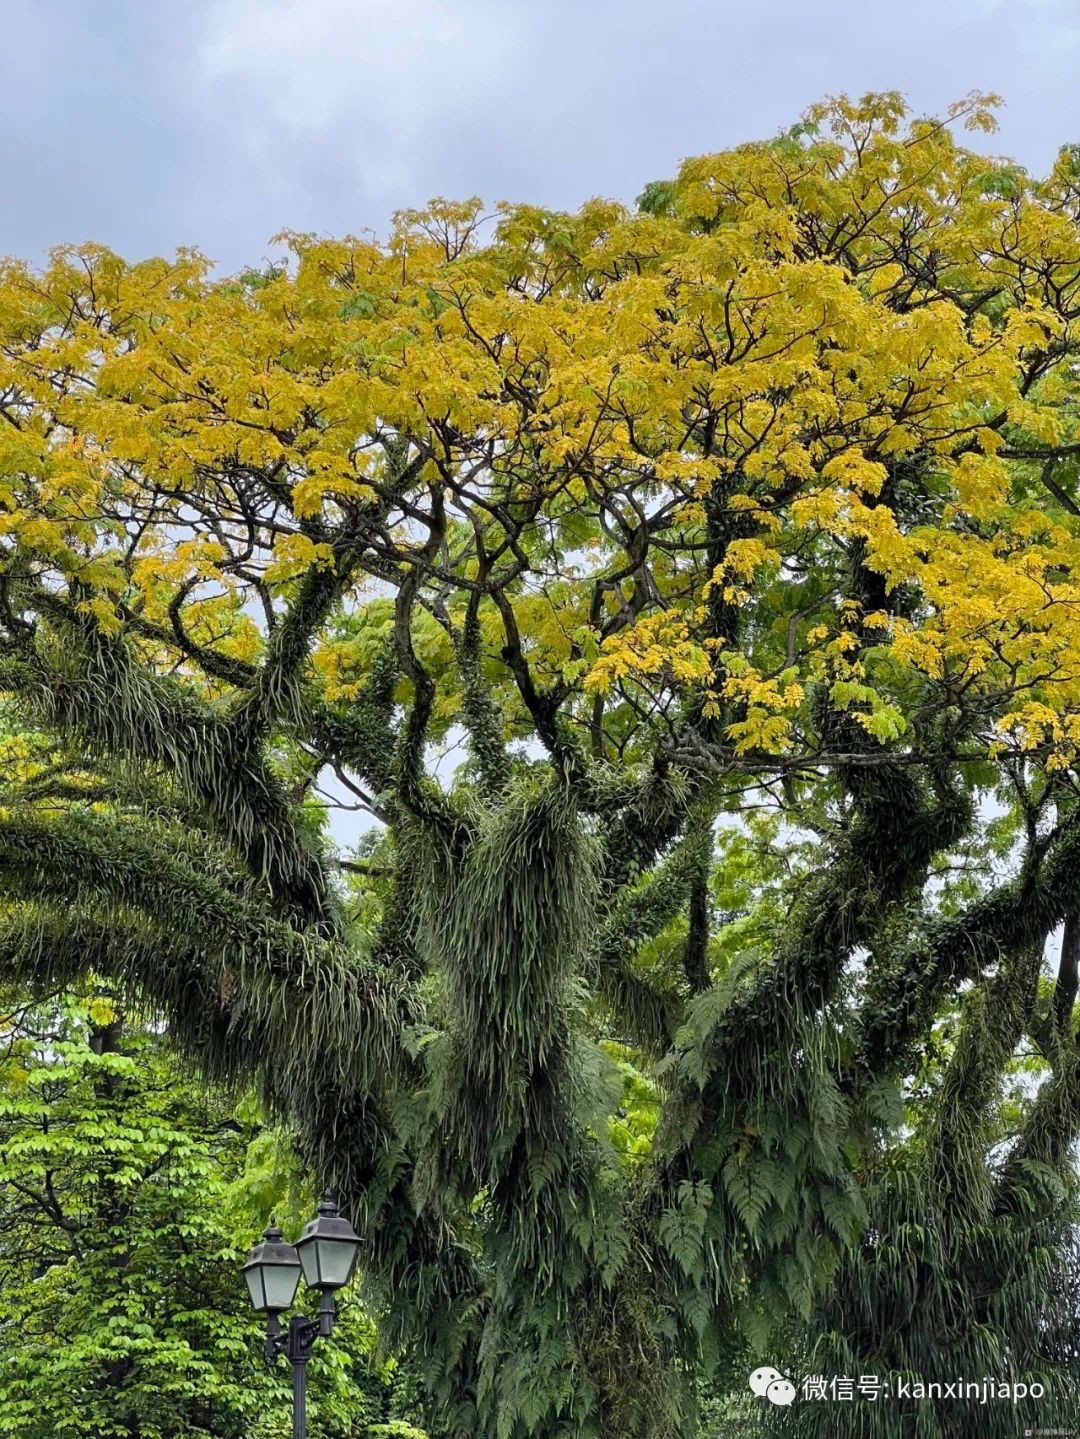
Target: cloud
[382, 74]
[219, 122]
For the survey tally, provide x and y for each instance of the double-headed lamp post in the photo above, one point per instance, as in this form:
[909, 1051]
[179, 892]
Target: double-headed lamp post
[325, 1255]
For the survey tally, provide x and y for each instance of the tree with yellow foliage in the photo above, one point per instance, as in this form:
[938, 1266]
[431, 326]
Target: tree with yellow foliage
[756, 506]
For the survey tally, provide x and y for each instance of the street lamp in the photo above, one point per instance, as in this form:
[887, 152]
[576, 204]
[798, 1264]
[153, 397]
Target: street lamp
[325, 1254]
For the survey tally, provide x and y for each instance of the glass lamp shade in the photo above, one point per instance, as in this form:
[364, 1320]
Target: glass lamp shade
[328, 1248]
[272, 1272]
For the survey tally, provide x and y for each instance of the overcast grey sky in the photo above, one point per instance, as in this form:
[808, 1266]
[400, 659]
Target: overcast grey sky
[215, 123]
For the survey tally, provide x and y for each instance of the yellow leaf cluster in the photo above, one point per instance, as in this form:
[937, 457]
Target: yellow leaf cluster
[643, 416]
[659, 645]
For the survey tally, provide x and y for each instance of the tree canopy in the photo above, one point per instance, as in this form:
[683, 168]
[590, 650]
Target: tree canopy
[127, 1195]
[732, 544]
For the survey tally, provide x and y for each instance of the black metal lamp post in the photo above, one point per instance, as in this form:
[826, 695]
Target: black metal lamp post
[325, 1254]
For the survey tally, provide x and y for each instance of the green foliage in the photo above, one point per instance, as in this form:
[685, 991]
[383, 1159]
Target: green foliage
[128, 1195]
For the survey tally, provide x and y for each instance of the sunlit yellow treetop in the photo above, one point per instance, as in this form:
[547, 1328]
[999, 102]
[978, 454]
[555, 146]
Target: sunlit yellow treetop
[649, 451]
